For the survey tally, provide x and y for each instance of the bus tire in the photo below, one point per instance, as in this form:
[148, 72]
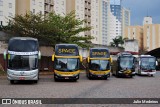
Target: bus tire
[11, 81]
[35, 81]
[151, 75]
[105, 78]
[89, 76]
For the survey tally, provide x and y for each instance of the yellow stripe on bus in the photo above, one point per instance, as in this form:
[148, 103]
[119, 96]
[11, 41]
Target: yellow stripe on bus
[62, 73]
[67, 56]
[99, 72]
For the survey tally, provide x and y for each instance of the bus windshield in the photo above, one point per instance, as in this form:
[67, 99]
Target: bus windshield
[126, 62]
[99, 65]
[22, 62]
[66, 64]
[148, 63]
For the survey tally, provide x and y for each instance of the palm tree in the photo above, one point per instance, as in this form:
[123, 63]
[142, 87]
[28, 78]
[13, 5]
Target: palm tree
[118, 40]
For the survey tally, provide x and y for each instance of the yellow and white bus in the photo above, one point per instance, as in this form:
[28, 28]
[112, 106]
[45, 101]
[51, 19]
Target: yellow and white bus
[66, 62]
[98, 63]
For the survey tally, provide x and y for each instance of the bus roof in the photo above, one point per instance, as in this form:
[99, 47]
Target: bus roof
[75, 45]
[141, 56]
[23, 44]
[99, 48]
[23, 38]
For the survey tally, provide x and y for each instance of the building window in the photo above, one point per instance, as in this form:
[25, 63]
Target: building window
[1, 23]
[62, 2]
[1, 3]
[40, 12]
[33, 2]
[40, 4]
[1, 13]
[10, 14]
[33, 11]
[10, 5]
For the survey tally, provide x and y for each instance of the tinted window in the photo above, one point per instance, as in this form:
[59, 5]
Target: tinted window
[23, 45]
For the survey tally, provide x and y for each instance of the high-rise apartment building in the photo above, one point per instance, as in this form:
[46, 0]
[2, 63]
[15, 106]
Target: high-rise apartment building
[147, 35]
[115, 28]
[99, 21]
[151, 36]
[125, 19]
[147, 20]
[48, 6]
[7, 10]
[34, 6]
[134, 32]
[60, 7]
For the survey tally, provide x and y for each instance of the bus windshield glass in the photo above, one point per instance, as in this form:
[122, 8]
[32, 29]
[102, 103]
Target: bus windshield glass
[148, 63]
[99, 65]
[66, 64]
[126, 62]
[23, 45]
[99, 53]
[22, 62]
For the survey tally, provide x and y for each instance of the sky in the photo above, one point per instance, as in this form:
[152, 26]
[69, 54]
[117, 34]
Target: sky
[141, 8]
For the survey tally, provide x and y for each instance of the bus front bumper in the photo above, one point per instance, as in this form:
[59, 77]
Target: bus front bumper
[99, 74]
[22, 75]
[127, 73]
[66, 75]
[57, 76]
[148, 73]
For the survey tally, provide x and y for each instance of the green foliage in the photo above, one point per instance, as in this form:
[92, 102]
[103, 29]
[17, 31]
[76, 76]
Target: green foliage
[118, 41]
[51, 29]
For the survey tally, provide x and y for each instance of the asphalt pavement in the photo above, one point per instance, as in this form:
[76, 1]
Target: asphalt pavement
[136, 87]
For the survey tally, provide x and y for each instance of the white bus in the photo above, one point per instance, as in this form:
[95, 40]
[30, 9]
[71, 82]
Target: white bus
[146, 65]
[22, 59]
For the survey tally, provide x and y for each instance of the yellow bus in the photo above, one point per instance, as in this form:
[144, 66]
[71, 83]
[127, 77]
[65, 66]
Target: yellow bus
[66, 62]
[98, 63]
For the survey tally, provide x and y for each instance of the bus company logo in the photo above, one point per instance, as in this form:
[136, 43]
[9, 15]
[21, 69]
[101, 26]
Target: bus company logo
[66, 50]
[99, 53]
[22, 73]
[6, 101]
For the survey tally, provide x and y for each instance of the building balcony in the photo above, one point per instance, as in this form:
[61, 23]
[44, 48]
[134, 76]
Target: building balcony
[46, 1]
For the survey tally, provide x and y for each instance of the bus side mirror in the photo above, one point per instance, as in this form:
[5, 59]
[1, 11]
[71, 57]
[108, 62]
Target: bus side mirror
[88, 59]
[39, 55]
[111, 60]
[156, 63]
[139, 63]
[81, 59]
[4, 55]
[52, 57]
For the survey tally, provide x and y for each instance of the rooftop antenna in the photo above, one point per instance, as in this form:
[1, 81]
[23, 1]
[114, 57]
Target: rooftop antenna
[147, 12]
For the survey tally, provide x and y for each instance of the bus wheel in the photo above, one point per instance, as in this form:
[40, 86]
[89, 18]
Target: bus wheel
[105, 78]
[151, 75]
[12, 81]
[74, 80]
[89, 76]
[36, 81]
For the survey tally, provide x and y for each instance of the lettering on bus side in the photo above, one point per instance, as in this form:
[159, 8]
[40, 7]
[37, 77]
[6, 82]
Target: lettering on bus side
[66, 50]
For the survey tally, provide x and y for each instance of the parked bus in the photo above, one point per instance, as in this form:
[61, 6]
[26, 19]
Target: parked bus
[22, 59]
[146, 65]
[98, 63]
[125, 65]
[66, 62]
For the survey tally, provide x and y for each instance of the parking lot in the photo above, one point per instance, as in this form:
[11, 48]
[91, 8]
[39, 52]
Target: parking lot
[136, 87]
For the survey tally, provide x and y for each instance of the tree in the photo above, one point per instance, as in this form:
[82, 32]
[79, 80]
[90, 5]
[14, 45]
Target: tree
[51, 29]
[118, 40]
